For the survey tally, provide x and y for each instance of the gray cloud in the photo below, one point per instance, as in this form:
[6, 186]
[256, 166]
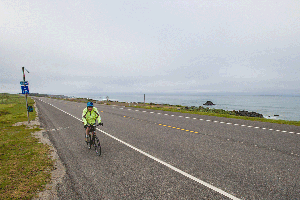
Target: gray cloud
[151, 46]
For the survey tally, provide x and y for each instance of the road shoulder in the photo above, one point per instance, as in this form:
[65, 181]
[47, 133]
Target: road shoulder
[59, 171]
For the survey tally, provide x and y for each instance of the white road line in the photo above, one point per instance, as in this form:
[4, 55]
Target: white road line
[173, 168]
[193, 118]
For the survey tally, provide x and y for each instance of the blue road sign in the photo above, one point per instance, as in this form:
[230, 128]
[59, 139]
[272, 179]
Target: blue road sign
[25, 89]
[24, 83]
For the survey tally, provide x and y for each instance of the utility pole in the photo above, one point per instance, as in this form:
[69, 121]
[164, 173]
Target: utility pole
[26, 91]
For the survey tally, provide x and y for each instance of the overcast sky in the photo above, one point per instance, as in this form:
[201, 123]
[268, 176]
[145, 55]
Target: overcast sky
[74, 46]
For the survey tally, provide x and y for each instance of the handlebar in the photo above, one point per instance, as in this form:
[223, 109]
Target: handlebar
[100, 124]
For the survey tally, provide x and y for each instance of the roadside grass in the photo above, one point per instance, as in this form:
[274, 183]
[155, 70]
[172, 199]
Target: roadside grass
[25, 164]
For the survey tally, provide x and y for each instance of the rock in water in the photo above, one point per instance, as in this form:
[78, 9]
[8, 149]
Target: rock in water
[209, 103]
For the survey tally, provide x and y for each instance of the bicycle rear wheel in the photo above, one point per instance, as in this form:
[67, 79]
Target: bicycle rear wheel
[97, 146]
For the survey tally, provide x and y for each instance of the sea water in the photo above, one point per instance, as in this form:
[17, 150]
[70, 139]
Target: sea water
[287, 107]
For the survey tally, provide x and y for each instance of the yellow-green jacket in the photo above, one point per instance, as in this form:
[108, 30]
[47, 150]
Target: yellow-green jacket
[89, 117]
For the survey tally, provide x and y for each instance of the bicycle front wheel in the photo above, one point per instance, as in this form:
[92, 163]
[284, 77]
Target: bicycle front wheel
[97, 146]
[88, 141]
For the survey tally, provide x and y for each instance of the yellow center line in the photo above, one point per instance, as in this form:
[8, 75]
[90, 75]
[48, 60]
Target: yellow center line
[170, 126]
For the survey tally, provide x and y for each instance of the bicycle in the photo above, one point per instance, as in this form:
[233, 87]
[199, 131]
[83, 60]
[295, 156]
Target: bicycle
[93, 140]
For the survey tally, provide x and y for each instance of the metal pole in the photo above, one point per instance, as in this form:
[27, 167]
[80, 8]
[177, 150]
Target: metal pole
[25, 95]
[144, 99]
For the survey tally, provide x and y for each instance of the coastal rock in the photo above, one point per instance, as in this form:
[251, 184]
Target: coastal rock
[209, 103]
[248, 114]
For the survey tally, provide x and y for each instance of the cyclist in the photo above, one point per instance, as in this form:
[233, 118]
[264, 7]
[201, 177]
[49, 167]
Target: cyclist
[89, 116]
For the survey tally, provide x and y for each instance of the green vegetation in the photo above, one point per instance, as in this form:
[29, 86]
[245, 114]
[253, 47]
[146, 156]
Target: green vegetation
[213, 112]
[25, 163]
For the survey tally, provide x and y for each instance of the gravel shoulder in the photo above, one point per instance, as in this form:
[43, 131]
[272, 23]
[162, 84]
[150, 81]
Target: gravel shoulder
[50, 192]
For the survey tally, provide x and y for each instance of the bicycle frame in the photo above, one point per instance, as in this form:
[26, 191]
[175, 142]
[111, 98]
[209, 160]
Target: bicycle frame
[94, 140]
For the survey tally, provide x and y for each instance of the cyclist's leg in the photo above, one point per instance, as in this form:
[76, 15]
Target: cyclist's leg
[87, 130]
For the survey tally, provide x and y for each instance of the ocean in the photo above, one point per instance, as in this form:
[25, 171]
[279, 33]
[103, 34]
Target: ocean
[287, 107]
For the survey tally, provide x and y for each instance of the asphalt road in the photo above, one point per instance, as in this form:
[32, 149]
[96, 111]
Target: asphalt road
[149, 154]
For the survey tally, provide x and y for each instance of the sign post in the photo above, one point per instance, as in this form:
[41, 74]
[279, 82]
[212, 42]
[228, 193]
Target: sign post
[25, 90]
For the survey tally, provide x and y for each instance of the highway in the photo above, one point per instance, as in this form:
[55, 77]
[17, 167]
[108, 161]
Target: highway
[150, 154]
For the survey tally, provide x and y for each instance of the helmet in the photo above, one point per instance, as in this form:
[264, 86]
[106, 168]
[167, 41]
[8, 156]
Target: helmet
[90, 104]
